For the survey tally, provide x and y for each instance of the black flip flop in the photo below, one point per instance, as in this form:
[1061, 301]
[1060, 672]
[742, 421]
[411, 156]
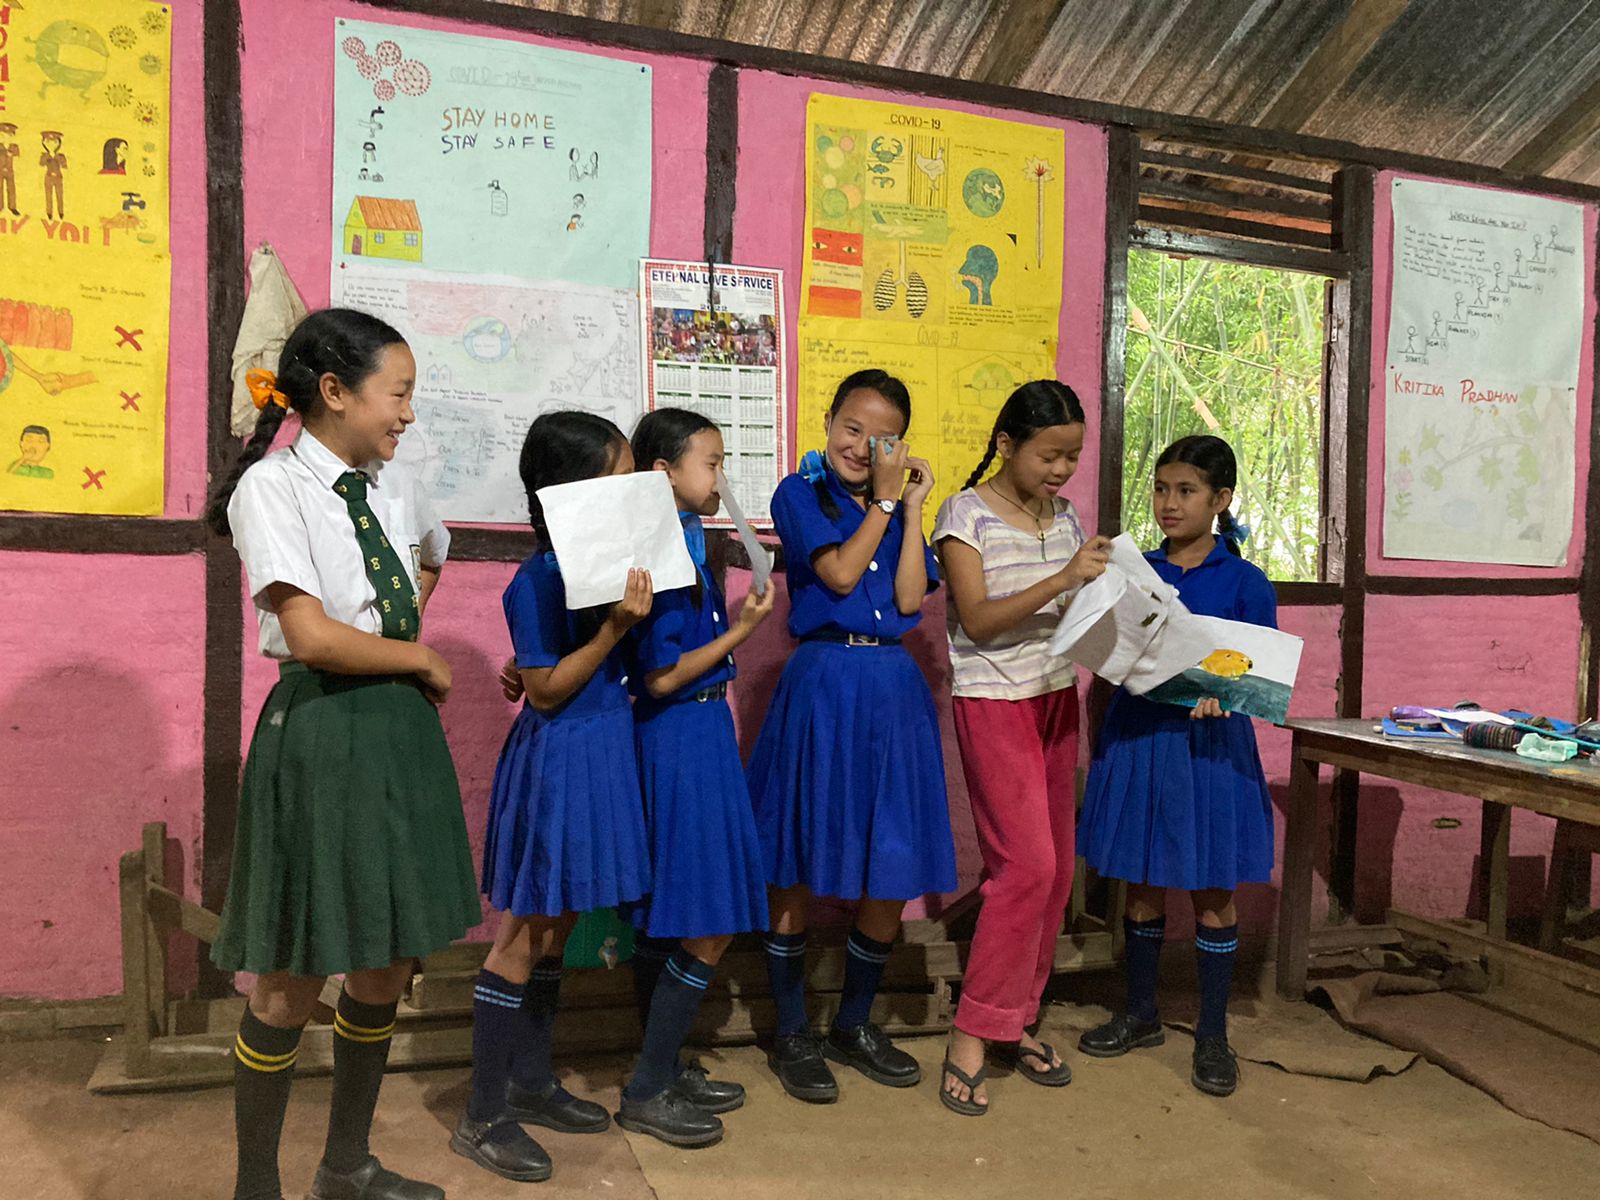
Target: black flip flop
[968, 1107]
[1052, 1076]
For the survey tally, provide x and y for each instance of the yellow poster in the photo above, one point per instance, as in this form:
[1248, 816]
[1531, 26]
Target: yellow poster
[935, 245]
[84, 255]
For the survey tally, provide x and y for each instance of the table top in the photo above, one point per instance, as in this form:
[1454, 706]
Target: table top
[1576, 780]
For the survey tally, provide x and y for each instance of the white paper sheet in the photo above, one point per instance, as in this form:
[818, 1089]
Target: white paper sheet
[760, 556]
[599, 528]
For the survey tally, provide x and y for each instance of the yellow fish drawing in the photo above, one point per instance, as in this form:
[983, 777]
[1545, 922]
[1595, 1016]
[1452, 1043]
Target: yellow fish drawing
[1228, 664]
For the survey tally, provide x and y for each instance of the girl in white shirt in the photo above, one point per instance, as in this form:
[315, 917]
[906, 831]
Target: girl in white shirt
[1011, 548]
[351, 854]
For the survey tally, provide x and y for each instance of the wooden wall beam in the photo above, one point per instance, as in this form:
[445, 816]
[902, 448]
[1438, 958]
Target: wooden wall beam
[1589, 592]
[1122, 199]
[100, 535]
[722, 161]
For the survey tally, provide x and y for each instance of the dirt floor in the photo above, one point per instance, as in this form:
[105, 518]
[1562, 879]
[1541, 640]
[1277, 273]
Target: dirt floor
[1126, 1129]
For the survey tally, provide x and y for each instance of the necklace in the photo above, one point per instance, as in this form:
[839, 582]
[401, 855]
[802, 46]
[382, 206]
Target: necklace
[1025, 511]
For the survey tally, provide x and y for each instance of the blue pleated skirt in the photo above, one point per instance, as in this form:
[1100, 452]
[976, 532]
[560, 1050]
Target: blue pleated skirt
[847, 777]
[708, 877]
[1175, 802]
[566, 823]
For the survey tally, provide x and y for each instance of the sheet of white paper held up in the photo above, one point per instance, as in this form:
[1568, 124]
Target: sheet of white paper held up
[1129, 627]
[760, 556]
[601, 527]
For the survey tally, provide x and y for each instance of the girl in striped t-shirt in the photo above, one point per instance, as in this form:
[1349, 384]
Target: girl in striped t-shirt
[1011, 549]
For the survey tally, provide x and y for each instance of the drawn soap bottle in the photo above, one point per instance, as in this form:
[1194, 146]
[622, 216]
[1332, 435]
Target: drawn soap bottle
[499, 202]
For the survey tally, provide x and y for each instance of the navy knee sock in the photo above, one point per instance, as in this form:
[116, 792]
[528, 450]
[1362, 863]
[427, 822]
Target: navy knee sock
[531, 1064]
[1142, 963]
[864, 961]
[649, 956]
[672, 1012]
[361, 1037]
[1214, 951]
[263, 1066]
[497, 1022]
[786, 969]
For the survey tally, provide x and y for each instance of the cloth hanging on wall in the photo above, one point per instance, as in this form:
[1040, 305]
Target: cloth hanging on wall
[272, 311]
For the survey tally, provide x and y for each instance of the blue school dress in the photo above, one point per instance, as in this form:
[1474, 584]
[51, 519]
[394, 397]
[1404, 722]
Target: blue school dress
[847, 777]
[566, 824]
[708, 877]
[1175, 802]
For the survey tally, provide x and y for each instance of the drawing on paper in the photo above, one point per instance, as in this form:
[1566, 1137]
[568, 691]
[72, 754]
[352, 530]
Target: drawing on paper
[378, 228]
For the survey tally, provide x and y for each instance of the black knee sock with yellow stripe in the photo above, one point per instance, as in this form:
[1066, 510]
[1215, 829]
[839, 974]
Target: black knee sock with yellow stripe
[362, 1033]
[263, 1065]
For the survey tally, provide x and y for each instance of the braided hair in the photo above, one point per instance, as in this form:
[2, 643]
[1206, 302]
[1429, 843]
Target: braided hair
[1033, 407]
[872, 379]
[341, 342]
[1214, 459]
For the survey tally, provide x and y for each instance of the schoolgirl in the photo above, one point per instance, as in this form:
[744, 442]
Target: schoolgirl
[1012, 548]
[1177, 799]
[566, 828]
[351, 854]
[709, 883]
[847, 776]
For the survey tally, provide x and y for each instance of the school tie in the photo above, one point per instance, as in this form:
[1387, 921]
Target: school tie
[397, 597]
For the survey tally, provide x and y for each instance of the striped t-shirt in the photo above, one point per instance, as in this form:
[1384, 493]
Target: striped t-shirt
[1017, 664]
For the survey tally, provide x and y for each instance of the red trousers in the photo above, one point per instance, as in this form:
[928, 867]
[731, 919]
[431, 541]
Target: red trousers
[1020, 758]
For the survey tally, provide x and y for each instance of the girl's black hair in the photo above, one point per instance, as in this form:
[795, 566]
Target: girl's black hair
[1035, 406]
[664, 434]
[564, 447]
[1213, 458]
[340, 342]
[872, 379]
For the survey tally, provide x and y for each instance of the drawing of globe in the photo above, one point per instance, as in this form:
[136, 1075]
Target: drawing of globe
[983, 192]
[487, 339]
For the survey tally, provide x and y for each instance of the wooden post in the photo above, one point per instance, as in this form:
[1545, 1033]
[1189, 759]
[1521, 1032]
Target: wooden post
[1299, 848]
[155, 936]
[1494, 855]
[135, 964]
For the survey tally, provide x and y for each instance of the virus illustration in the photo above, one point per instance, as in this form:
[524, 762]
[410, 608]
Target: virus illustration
[413, 77]
[123, 37]
[150, 170]
[70, 56]
[119, 95]
[150, 64]
[388, 53]
[149, 114]
[354, 47]
[155, 21]
[369, 67]
[384, 90]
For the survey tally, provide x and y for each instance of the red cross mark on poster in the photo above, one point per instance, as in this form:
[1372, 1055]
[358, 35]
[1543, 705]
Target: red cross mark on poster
[127, 337]
[130, 401]
[93, 480]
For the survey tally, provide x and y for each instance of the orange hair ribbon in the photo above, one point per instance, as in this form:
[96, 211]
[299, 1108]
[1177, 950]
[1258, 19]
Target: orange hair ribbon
[263, 385]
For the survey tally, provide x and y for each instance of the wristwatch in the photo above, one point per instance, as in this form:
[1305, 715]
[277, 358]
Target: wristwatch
[886, 505]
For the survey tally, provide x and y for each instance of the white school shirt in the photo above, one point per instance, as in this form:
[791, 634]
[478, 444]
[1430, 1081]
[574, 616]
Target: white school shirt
[290, 526]
[1017, 664]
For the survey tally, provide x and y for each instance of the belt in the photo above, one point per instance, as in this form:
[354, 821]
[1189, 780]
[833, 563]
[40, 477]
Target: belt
[839, 637]
[720, 692]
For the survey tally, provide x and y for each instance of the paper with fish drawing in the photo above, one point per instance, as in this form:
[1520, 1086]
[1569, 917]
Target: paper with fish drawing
[934, 251]
[1248, 669]
[600, 528]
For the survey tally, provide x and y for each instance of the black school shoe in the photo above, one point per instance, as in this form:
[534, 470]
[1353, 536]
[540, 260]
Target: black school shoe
[695, 1085]
[370, 1181]
[797, 1061]
[1122, 1033]
[868, 1050]
[671, 1118]
[511, 1154]
[555, 1108]
[1216, 1071]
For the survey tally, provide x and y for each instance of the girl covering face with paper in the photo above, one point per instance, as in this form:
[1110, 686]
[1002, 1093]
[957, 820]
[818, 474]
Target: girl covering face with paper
[566, 823]
[709, 883]
[1177, 799]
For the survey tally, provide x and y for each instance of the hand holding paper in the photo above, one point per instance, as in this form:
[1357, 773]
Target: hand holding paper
[599, 528]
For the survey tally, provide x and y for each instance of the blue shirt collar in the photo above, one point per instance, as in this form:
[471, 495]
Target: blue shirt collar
[1219, 553]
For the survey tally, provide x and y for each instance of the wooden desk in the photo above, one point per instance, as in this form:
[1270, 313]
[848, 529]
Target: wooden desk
[1502, 781]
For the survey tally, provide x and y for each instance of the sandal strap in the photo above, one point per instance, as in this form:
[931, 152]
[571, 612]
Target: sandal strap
[972, 1081]
[1044, 1054]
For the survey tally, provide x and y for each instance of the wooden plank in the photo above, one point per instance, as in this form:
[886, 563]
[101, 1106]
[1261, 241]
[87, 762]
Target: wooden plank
[1233, 227]
[1331, 63]
[135, 962]
[1466, 585]
[154, 856]
[1316, 210]
[1261, 254]
[1332, 939]
[1494, 857]
[1299, 851]
[1218, 168]
[1509, 956]
[1589, 596]
[1122, 197]
[175, 912]
[468, 544]
[722, 162]
[99, 535]
[1307, 595]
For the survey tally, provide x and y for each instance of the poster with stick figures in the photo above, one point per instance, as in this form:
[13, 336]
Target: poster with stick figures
[86, 285]
[1486, 331]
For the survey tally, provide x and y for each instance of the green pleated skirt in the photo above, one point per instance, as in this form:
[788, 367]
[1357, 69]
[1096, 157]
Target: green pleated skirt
[351, 850]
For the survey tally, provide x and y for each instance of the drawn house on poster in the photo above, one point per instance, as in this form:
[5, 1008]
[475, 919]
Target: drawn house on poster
[378, 228]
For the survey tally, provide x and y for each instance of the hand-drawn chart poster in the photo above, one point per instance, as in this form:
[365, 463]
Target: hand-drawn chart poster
[1485, 331]
[486, 156]
[935, 242]
[491, 356]
[85, 282]
[716, 346]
